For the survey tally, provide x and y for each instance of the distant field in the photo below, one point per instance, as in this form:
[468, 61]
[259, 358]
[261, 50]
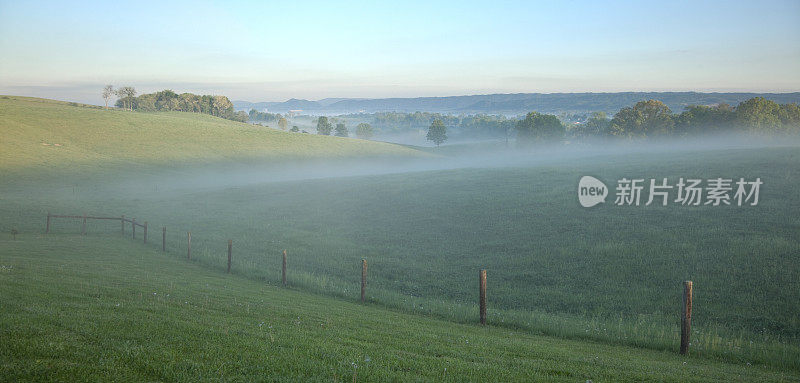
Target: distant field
[41, 134]
[100, 308]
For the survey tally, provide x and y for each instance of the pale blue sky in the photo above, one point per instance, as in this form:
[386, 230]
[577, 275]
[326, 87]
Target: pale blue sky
[278, 50]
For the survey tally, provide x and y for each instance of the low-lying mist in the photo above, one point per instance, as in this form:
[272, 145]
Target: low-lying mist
[487, 154]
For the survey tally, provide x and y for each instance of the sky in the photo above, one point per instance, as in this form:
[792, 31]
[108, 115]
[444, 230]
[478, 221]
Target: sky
[273, 51]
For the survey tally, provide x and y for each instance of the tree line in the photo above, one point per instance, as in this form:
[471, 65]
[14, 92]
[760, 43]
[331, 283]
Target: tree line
[475, 126]
[645, 119]
[326, 127]
[263, 116]
[167, 100]
[652, 118]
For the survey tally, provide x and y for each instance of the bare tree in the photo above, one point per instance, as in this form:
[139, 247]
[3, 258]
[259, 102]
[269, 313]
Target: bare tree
[108, 91]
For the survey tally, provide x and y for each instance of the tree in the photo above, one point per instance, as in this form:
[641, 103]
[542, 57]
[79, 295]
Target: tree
[282, 123]
[323, 126]
[645, 119]
[294, 129]
[437, 132]
[127, 97]
[364, 131]
[221, 106]
[341, 130]
[108, 92]
[790, 117]
[537, 127]
[698, 119]
[241, 116]
[146, 103]
[121, 102]
[759, 115]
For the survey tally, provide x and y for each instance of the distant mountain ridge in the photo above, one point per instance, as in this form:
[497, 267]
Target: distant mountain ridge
[510, 104]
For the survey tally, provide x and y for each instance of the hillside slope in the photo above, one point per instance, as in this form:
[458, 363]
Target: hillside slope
[108, 309]
[39, 133]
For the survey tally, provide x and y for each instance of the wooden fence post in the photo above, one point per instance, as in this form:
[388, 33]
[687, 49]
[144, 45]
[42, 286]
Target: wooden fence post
[482, 286]
[164, 239]
[686, 318]
[230, 245]
[188, 245]
[283, 274]
[133, 225]
[122, 220]
[363, 280]
[145, 231]
[47, 227]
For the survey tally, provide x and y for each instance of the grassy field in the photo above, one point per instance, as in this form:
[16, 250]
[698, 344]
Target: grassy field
[103, 308]
[609, 274]
[40, 134]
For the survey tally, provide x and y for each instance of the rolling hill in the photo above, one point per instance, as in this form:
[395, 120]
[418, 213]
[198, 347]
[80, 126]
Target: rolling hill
[47, 134]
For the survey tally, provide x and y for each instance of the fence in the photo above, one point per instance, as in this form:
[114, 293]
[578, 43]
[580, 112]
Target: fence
[686, 314]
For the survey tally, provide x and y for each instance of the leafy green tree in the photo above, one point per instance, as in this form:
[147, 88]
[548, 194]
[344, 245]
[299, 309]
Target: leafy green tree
[698, 119]
[364, 131]
[241, 116]
[759, 115]
[324, 126]
[341, 130]
[790, 117]
[437, 132]
[537, 127]
[282, 123]
[221, 106]
[645, 119]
